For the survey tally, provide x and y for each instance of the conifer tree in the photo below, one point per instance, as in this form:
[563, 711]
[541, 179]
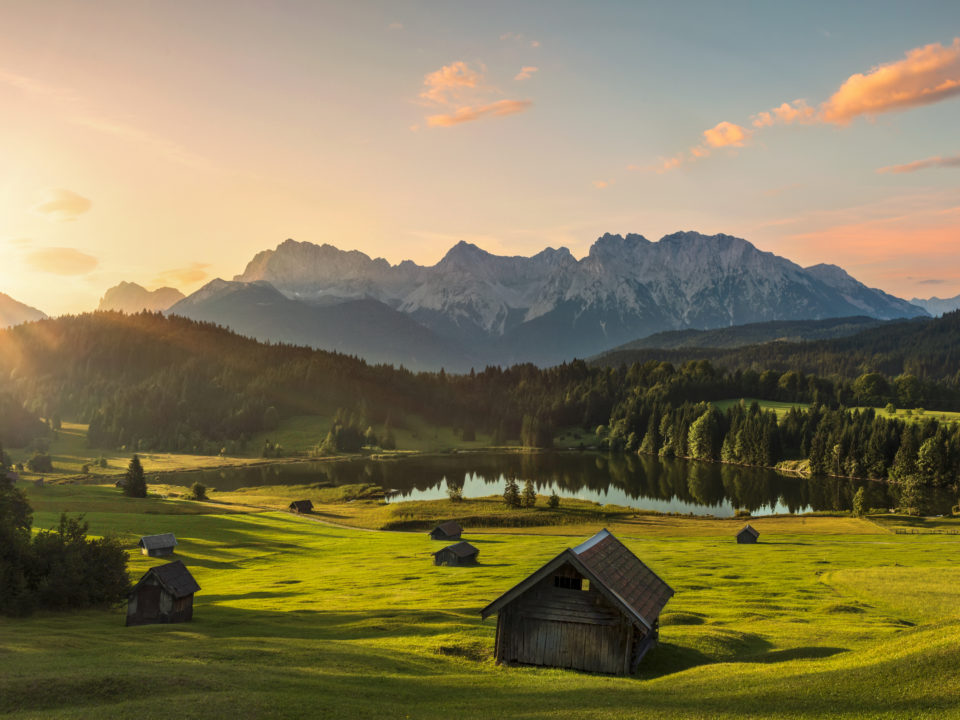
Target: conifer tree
[529, 494]
[135, 481]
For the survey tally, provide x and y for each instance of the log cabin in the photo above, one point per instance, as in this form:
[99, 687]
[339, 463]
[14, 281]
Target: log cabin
[163, 595]
[594, 607]
[463, 553]
[301, 506]
[449, 530]
[158, 545]
[747, 534]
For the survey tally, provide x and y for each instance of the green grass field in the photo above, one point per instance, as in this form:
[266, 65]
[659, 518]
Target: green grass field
[300, 619]
[782, 408]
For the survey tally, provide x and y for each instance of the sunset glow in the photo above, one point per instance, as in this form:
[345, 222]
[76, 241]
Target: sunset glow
[167, 143]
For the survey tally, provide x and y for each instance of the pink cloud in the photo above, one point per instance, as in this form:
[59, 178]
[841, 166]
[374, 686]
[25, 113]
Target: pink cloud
[926, 75]
[786, 114]
[726, 134]
[526, 72]
[469, 113]
[445, 84]
[936, 161]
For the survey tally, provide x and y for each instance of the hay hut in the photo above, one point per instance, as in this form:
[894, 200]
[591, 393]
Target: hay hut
[594, 607]
[163, 595]
[158, 545]
[449, 530]
[301, 506]
[747, 534]
[462, 553]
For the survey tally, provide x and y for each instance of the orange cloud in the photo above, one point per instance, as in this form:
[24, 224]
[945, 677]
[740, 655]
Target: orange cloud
[62, 261]
[670, 163]
[526, 72]
[699, 151]
[469, 113]
[936, 161]
[926, 75]
[726, 134]
[601, 184]
[62, 205]
[180, 277]
[444, 85]
[786, 114]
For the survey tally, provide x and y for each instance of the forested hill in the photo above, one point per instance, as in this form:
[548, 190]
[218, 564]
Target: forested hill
[928, 349]
[149, 381]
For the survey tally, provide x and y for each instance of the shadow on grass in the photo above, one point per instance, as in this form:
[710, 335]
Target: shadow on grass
[798, 653]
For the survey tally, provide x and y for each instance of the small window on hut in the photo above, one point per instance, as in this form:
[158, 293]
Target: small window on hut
[568, 583]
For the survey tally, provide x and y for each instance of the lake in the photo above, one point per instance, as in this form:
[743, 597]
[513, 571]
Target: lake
[637, 481]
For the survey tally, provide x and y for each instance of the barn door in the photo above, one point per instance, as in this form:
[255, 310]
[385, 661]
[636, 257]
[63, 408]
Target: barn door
[148, 601]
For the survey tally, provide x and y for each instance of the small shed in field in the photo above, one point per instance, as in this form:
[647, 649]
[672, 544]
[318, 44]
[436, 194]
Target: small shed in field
[595, 607]
[158, 545]
[463, 553]
[747, 534]
[450, 530]
[301, 506]
[163, 595]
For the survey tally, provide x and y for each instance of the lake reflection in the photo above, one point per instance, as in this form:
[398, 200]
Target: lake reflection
[638, 481]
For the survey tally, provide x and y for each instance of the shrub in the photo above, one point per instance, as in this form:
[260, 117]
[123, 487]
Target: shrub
[40, 462]
[455, 493]
[554, 501]
[742, 514]
[198, 491]
[858, 503]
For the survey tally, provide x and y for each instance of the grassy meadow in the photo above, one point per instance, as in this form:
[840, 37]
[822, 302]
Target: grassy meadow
[827, 617]
[782, 408]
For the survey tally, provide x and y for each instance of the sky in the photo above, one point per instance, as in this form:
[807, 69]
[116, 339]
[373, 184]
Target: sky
[167, 142]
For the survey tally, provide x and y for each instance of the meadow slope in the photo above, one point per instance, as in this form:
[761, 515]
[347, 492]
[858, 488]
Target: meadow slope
[300, 619]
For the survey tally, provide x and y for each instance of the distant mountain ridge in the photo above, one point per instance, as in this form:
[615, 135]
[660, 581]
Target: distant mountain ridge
[791, 331]
[130, 297]
[935, 306]
[551, 307]
[13, 312]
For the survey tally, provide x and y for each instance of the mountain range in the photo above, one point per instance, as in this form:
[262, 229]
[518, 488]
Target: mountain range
[474, 308]
[130, 297]
[935, 306]
[13, 312]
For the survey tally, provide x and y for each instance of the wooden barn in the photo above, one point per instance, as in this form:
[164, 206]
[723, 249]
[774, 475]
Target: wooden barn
[747, 534]
[462, 553]
[158, 545]
[163, 595]
[301, 506]
[595, 607]
[449, 530]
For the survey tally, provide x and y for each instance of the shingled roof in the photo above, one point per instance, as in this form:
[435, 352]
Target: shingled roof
[154, 542]
[613, 570]
[174, 577]
[749, 528]
[450, 527]
[461, 549]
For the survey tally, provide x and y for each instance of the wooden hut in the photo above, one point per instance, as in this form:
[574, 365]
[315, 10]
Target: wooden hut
[158, 545]
[449, 530]
[747, 534]
[301, 506]
[163, 595]
[594, 607]
[462, 553]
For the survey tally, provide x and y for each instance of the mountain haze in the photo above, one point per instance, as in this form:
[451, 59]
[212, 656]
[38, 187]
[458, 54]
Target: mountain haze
[476, 308]
[130, 297]
[935, 306]
[14, 312]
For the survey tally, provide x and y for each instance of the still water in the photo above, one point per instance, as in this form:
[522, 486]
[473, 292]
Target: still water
[638, 481]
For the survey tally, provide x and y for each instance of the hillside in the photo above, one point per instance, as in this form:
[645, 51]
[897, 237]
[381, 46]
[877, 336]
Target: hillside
[752, 334]
[926, 348]
[13, 312]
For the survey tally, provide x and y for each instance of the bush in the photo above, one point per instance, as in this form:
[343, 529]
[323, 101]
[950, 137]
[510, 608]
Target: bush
[554, 501]
[198, 491]
[858, 503]
[742, 514]
[455, 493]
[40, 462]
